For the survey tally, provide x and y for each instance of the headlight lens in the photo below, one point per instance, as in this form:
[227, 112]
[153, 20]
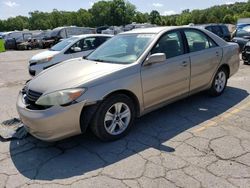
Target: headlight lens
[62, 97]
[45, 60]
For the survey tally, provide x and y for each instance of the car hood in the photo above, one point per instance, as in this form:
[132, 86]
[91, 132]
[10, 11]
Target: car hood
[44, 55]
[70, 74]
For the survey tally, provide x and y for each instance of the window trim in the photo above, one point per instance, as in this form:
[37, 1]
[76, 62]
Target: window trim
[198, 31]
[168, 32]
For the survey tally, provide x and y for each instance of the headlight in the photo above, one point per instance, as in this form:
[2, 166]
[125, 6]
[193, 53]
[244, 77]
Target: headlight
[45, 60]
[62, 97]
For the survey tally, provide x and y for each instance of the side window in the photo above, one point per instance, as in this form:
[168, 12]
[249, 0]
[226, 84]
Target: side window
[87, 43]
[171, 44]
[225, 30]
[103, 39]
[209, 28]
[90, 43]
[198, 41]
[217, 30]
[63, 33]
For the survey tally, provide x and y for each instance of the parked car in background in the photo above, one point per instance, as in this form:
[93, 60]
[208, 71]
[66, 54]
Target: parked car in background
[241, 36]
[242, 22]
[134, 25]
[220, 30]
[30, 44]
[65, 32]
[246, 53]
[11, 38]
[128, 76]
[113, 30]
[44, 39]
[101, 28]
[241, 25]
[14, 38]
[74, 47]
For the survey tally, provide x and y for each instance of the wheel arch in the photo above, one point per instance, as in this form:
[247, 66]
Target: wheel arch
[89, 111]
[131, 95]
[227, 68]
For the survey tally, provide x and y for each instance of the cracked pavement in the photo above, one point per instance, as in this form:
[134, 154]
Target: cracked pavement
[196, 142]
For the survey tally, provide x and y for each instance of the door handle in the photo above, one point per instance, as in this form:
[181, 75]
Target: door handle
[184, 64]
[217, 54]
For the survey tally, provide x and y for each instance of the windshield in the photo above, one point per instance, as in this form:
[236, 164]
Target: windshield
[63, 44]
[122, 48]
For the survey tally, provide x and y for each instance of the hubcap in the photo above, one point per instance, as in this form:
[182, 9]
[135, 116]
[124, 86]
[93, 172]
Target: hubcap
[117, 118]
[220, 81]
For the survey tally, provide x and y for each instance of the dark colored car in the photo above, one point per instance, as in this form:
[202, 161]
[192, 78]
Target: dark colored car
[220, 30]
[101, 28]
[246, 53]
[29, 44]
[45, 40]
[11, 39]
[65, 32]
[241, 36]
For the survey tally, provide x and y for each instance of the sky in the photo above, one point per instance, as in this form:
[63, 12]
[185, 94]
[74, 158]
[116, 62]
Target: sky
[11, 8]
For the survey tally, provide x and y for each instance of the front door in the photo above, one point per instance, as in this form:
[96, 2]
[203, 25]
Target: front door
[167, 80]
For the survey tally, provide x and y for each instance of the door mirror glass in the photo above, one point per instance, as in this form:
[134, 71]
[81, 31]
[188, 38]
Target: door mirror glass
[155, 58]
[76, 49]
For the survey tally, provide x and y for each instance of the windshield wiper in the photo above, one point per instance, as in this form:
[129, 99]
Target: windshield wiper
[98, 60]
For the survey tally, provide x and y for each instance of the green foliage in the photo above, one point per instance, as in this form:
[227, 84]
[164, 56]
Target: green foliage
[121, 12]
[155, 17]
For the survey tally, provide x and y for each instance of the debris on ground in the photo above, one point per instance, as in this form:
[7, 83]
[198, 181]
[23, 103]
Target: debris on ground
[12, 129]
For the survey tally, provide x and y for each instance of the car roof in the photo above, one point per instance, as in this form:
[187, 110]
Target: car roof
[152, 30]
[157, 30]
[91, 35]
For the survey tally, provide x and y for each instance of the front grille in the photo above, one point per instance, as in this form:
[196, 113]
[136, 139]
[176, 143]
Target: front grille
[32, 96]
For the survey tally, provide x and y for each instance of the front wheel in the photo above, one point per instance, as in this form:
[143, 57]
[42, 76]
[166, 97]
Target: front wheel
[219, 83]
[113, 118]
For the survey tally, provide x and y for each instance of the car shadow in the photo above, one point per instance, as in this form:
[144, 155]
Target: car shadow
[84, 154]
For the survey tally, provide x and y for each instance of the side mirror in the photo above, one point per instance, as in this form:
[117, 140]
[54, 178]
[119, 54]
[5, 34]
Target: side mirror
[76, 49]
[155, 58]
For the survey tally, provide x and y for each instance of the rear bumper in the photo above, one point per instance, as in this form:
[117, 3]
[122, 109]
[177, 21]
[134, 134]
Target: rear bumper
[52, 124]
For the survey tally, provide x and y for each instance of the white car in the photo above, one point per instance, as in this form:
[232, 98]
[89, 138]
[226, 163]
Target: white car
[74, 47]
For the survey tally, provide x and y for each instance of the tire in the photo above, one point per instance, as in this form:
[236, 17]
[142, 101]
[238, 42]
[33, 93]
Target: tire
[219, 83]
[107, 118]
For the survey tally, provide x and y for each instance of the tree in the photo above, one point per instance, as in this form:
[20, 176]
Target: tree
[141, 17]
[101, 13]
[118, 12]
[228, 19]
[130, 12]
[155, 17]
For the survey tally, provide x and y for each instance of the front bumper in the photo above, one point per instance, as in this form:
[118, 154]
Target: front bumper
[51, 124]
[246, 56]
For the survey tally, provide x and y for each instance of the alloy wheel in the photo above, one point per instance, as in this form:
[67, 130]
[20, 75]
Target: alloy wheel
[117, 118]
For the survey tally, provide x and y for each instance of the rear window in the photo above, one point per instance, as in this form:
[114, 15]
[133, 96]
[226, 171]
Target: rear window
[225, 30]
[217, 30]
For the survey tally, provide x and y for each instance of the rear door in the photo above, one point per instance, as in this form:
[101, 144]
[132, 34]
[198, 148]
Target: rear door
[205, 57]
[166, 80]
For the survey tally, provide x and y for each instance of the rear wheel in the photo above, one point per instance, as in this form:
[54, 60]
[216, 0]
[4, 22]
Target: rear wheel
[219, 82]
[113, 118]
